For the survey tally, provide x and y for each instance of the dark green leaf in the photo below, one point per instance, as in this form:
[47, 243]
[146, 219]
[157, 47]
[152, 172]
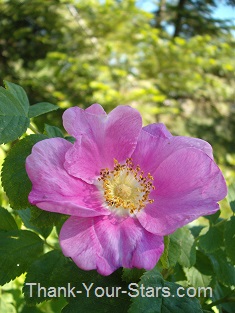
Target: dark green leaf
[203, 263]
[132, 275]
[229, 238]
[195, 230]
[226, 293]
[19, 93]
[13, 113]
[7, 221]
[41, 108]
[159, 296]
[18, 249]
[231, 197]
[44, 219]
[53, 131]
[55, 270]
[26, 217]
[212, 240]
[15, 180]
[224, 270]
[213, 217]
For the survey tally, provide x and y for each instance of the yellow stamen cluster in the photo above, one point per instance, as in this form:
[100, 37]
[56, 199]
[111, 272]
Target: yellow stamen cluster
[126, 187]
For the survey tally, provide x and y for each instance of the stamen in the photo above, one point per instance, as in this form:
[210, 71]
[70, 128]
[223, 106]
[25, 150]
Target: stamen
[125, 188]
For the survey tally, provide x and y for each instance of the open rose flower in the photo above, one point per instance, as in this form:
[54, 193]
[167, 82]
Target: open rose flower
[124, 186]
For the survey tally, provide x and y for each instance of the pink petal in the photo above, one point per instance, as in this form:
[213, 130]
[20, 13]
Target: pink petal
[100, 139]
[188, 185]
[53, 188]
[151, 150]
[96, 109]
[108, 243]
[158, 130]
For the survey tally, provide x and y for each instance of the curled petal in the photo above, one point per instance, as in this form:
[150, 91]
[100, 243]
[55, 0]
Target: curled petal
[151, 150]
[108, 243]
[53, 188]
[100, 140]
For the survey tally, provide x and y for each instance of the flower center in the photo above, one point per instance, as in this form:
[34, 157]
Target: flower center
[125, 188]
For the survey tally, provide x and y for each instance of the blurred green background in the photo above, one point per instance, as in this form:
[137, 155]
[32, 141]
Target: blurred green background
[174, 61]
[175, 64]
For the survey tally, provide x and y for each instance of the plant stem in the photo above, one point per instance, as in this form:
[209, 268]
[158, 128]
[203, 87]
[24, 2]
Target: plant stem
[33, 129]
[227, 298]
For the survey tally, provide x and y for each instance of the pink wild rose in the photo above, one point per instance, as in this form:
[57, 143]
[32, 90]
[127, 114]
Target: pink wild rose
[124, 186]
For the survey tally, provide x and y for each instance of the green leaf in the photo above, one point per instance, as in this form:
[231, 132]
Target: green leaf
[132, 275]
[174, 250]
[20, 94]
[224, 270]
[7, 221]
[6, 303]
[223, 292]
[196, 278]
[44, 219]
[55, 270]
[15, 180]
[185, 242]
[50, 270]
[13, 113]
[18, 249]
[212, 240]
[41, 108]
[203, 263]
[159, 296]
[231, 197]
[164, 258]
[229, 238]
[213, 217]
[26, 217]
[53, 131]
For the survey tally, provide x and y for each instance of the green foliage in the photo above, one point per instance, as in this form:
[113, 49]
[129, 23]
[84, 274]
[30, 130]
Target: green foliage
[229, 238]
[43, 230]
[77, 53]
[162, 302]
[14, 108]
[7, 221]
[53, 131]
[212, 240]
[18, 248]
[41, 108]
[15, 180]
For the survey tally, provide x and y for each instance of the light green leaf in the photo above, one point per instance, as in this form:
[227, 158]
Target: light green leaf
[15, 180]
[184, 242]
[197, 279]
[6, 303]
[41, 108]
[18, 249]
[164, 258]
[229, 238]
[7, 221]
